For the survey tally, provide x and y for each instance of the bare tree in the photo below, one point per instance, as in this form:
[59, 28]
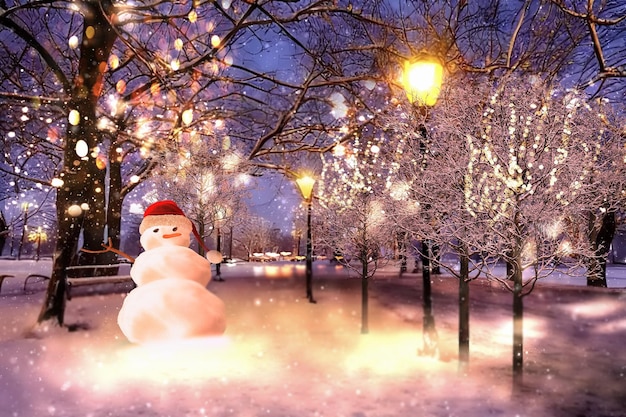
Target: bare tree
[255, 234]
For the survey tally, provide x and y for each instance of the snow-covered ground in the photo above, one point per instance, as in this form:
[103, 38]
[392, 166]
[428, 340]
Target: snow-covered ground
[282, 356]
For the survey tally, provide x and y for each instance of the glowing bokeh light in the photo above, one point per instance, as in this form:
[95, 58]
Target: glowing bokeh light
[187, 116]
[74, 117]
[81, 149]
[57, 182]
[74, 210]
[73, 42]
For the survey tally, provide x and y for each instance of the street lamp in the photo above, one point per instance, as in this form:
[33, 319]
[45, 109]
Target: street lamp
[220, 215]
[305, 185]
[37, 237]
[25, 207]
[422, 79]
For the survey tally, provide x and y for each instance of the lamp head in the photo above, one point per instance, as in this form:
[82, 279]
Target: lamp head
[305, 185]
[422, 79]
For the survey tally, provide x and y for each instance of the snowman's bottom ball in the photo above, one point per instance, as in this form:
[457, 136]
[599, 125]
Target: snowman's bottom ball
[171, 309]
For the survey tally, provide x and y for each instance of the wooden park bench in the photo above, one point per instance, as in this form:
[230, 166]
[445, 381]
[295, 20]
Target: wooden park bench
[3, 277]
[96, 284]
[28, 279]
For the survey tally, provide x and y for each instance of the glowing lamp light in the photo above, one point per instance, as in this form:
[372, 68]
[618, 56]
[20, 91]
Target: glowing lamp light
[120, 86]
[422, 79]
[37, 235]
[305, 184]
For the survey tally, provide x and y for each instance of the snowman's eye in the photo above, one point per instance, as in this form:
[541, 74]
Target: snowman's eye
[174, 229]
[155, 230]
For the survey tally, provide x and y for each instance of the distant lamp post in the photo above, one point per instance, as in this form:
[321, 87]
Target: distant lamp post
[305, 185]
[25, 207]
[220, 215]
[422, 80]
[37, 236]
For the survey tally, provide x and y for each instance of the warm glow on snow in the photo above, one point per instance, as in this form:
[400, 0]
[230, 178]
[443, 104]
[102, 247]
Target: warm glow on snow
[276, 271]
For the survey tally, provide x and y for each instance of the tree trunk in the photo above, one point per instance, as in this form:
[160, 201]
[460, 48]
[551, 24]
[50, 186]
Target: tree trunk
[518, 326]
[83, 181]
[364, 298]
[66, 247]
[464, 313]
[431, 347]
[114, 206]
[4, 231]
[596, 267]
[402, 251]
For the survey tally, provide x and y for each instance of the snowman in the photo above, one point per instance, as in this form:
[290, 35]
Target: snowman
[171, 301]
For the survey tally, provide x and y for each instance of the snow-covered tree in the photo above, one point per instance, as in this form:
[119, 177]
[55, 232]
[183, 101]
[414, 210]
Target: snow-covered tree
[255, 234]
[356, 211]
[604, 183]
[529, 150]
[429, 193]
[210, 184]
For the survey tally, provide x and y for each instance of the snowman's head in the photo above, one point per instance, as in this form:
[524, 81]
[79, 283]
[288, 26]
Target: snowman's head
[165, 224]
[165, 235]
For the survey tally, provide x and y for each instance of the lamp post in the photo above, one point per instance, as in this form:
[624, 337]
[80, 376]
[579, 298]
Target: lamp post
[422, 79]
[305, 185]
[219, 219]
[24, 229]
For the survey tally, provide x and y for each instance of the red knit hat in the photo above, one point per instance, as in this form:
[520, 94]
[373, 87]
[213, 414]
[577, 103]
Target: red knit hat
[167, 213]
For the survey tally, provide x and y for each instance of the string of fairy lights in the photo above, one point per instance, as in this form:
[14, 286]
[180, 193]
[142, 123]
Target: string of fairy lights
[360, 166]
[540, 142]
